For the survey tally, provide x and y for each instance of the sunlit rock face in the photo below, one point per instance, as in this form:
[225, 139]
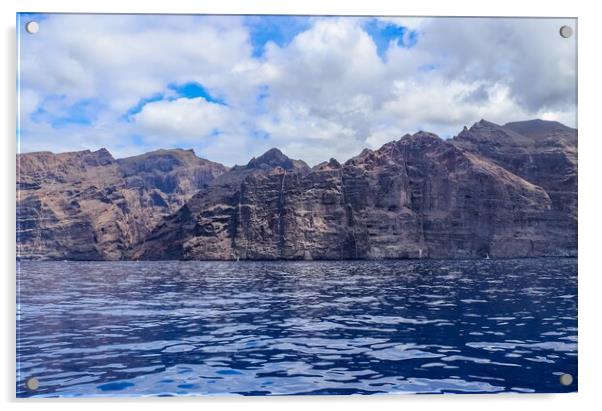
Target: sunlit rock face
[543, 153]
[498, 191]
[88, 206]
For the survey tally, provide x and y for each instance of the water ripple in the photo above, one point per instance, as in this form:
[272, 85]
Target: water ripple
[280, 328]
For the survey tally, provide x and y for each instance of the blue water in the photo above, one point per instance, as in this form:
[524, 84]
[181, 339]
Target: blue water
[273, 328]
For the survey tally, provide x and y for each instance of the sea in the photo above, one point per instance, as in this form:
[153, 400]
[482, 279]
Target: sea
[188, 328]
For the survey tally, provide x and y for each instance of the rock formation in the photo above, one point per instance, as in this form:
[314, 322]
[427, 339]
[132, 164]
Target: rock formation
[88, 206]
[490, 191]
[543, 153]
[498, 191]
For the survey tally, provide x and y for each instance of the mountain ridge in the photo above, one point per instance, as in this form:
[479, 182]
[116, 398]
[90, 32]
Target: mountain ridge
[487, 191]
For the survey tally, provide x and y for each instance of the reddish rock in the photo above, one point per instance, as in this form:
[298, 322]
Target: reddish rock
[498, 191]
[88, 206]
[420, 196]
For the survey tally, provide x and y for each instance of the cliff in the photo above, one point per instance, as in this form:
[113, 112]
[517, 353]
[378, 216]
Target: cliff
[490, 191]
[502, 191]
[88, 206]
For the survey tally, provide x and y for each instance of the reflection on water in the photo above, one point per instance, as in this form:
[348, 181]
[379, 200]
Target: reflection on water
[269, 328]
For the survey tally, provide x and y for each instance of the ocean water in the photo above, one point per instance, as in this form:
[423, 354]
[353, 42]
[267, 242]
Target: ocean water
[284, 328]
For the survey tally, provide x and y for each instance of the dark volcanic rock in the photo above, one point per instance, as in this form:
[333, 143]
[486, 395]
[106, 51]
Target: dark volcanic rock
[88, 206]
[499, 191]
[544, 130]
[417, 197]
[543, 153]
[274, 158]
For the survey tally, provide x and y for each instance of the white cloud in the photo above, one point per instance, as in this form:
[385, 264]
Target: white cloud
[528, 55]
[327, 65]
[189, 120]
[326, 93]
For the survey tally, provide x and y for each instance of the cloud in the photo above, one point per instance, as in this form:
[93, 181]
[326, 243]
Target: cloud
[528, 55]
[183, 119]
[317, 87]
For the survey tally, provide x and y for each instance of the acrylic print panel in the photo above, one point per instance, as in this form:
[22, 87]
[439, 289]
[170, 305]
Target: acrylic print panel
[286, 205]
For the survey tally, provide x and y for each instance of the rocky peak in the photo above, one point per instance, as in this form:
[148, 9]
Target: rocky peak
[174, 172]
[544, 130]
[484, 126]
[331, 164]
[482, 123]
[520, 134]
[421, 138]
[536, 126]
[275, 158]
[396, 151]
[69, 166]
[334, 163]
[486, 132]
[101, 157]
[418, 143]
[271, 158]
[164, 161]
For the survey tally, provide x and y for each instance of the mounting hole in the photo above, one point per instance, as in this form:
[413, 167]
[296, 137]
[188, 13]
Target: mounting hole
[566, 31]
[566, 379]
[32, 384]
[32, 27]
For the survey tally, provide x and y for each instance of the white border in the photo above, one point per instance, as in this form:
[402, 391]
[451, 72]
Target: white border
[590, 272]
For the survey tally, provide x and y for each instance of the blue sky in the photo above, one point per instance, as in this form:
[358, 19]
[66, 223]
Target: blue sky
[231, 87]
[386, 34]
[280, 30]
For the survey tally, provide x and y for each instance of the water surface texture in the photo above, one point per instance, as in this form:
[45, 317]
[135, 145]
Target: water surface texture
[281, 328]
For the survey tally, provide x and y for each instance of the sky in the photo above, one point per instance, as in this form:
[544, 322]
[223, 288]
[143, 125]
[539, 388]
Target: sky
[231, 87]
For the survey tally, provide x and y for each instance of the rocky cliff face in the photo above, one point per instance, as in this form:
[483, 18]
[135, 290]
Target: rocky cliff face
[502, 191]
[88, 206]
[541, 152]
